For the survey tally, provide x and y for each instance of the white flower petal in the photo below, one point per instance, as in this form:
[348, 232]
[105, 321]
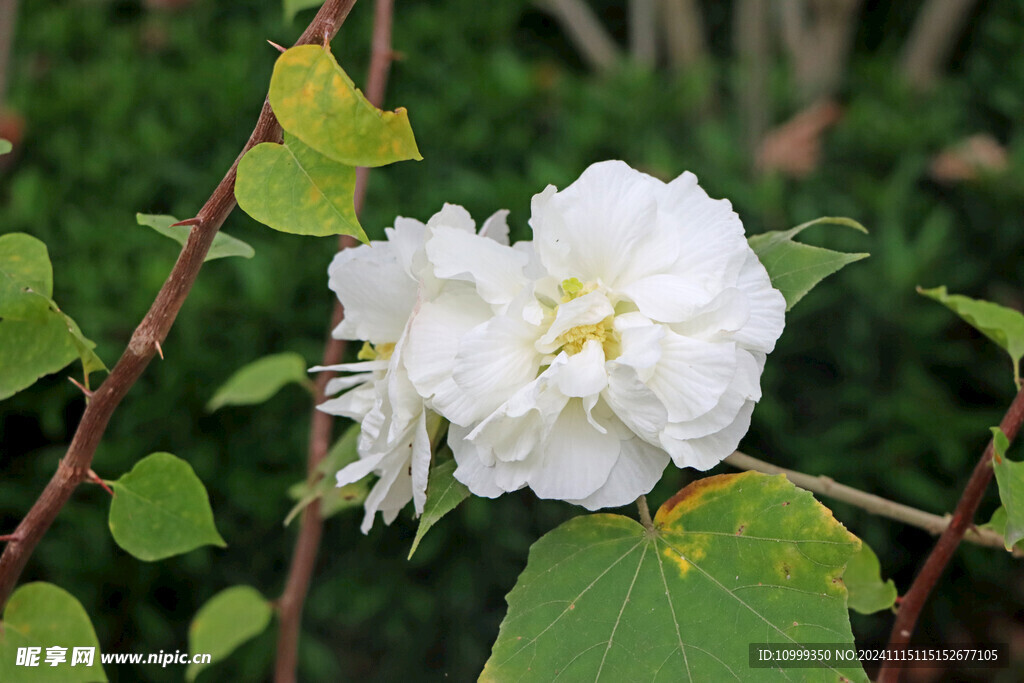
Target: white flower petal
[706, 452]
[453, 216]
[634, 403]
[583, 373]
[495, 269]
[692, 375]
[719, 319]
[376, 291]
[496, 227]
[390, 494]
[363, 366]
[339, 384]
[494, 360]
[574, 460]
[471, 470]
[767, 308]
[354, 404]
[357, 470]
[667, 298]
[419, 466]
[638, 469]
[604, 226]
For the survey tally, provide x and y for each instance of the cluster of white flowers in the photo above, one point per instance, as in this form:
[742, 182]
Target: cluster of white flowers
[630, 331]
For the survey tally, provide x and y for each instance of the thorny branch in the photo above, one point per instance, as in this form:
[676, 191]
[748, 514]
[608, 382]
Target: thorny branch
[153, 329]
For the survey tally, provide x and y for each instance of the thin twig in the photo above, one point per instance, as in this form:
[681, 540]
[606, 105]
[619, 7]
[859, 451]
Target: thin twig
[937, 28]
[876, 505]
[643, 32]
[154, 327]
[8, 15]
[963, 517]
[684, 32]
[307, 545]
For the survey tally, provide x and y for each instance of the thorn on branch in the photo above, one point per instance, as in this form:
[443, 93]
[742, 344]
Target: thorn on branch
[275, 45]
[159, 350]
[193, 222]
[95, 479]
[327, 39]
[7, 538]
[88, 393]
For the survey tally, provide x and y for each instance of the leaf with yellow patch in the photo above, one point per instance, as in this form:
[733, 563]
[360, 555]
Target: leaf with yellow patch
[293, 188]
[316, 101]
[732, 560]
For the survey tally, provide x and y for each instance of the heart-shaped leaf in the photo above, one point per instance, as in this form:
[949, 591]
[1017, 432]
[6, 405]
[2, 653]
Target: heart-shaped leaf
[731, 560]
[1010, 478]
[161, 509]
[259, 380]
[50, 621]
[293, 188]
[227, 620]
[863, 578]
[316, 101]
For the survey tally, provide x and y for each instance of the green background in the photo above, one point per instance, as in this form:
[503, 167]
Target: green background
[133, 107]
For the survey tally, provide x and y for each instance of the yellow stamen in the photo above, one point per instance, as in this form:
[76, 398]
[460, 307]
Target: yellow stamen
[379, 352]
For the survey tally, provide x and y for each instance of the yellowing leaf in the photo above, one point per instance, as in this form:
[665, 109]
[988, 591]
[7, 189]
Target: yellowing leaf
[1010, 478]
[732, 560]
[863, 578]
[316, 101]
[293, 188]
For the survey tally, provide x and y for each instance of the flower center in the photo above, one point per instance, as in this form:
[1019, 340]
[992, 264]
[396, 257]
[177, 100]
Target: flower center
[378, 352]
[573, 340]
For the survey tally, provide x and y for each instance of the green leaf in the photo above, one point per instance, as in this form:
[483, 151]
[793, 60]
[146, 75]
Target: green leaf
[796, 268]
[259, 380]
[41, 615]
[333, 499]
[5, 146]
[293, 7]
[316, 101]
[224, 245]
[732, 560]
[863, 578]
[161, 509]
[444, 493]
[998, 524]
[36, 337]
[1010, 478]
[1002, 325]
[293, 188]
[227, 620]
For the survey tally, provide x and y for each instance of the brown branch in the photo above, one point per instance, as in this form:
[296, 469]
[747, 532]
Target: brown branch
[684, 32]
[153, 329]
[876, 505]
[8, 15]
[307, 544]
[753, 47]
[963, 516]
[643, 32]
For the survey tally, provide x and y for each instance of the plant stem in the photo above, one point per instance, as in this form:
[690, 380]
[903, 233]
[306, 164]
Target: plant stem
[307, 544]
[876, 505]
[963, 516]
[153, 329]
[645, 513]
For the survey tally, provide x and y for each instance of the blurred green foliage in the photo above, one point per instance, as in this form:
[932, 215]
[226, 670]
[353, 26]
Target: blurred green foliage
[130, 108]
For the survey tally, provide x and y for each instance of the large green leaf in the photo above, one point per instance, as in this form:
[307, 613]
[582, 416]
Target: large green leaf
[1010, 478]
[998, 524]
[161, 509]
[316, 101]
[732, 560]
[293, 188]
[227, 620]
[1002, 325]
[44, 616]
[333, 499]
[796, 268]
[863, 578]
[224, 245]
[36, 337]
[444, 493]
[259, 380]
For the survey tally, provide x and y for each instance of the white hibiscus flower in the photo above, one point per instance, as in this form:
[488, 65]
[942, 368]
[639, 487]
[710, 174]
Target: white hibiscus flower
[382, 286]
[632, 330]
